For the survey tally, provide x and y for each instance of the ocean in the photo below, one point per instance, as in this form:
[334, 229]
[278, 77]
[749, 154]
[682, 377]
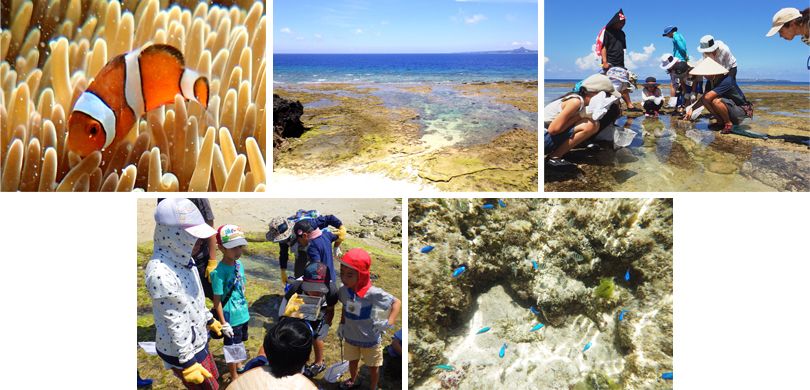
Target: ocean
[403, 68]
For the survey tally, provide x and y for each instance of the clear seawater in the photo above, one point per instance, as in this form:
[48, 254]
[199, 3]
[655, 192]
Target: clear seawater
[403, 68]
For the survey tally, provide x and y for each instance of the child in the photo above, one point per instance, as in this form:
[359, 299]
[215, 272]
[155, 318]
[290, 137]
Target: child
[362, 322]
[318, 243]
[288, 344]
[652, 97]
[315, 283]
[228, 285]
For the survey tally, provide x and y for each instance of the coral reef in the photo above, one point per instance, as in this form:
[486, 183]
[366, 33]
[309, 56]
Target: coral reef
[550, 261]
[51, 53]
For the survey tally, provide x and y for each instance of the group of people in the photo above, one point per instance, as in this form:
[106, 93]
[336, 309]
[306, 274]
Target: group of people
[583, 114]
[184, 271]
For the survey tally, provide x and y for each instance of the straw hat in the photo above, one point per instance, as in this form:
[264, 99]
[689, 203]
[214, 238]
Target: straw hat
[781, 17]
[707, 44]
[668, 60]
[708, 67]
[599, 83]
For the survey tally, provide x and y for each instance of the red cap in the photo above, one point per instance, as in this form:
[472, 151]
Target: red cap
[360, 261]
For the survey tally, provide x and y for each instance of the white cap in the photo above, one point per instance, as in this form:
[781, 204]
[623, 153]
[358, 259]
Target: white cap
[599, 83]
[668, 61]
[707, 44]
[183, 213]
[708, 67]
[780, 18]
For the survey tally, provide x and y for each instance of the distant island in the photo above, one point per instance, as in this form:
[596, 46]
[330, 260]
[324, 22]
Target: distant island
[521, 50]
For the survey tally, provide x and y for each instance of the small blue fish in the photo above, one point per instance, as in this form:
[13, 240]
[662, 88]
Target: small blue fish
[621, 314]
[503, 351]
[534, 311]
[459, 271]
[501, 203]
[483, 330]
[536, 327]
[587, 347]
[666, 375]
[627, 275]
[445, 367]
[488, 206]
[426, 249]
[535, 265]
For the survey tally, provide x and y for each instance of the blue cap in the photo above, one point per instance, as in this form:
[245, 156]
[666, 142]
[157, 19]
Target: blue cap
[669, 29]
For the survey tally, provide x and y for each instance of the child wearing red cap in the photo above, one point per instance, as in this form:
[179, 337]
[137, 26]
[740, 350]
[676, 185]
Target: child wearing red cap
[368, 311]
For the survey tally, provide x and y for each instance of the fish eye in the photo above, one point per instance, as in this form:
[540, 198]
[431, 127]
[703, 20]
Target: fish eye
[93, 130]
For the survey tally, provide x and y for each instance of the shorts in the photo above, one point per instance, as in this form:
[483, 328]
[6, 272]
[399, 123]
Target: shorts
[240, 334]
[209, 383]
[735, 112]
[372, 356]
[620, 77]
[552, 142]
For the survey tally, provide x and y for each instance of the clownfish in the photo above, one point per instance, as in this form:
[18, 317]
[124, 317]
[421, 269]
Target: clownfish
[124, 89]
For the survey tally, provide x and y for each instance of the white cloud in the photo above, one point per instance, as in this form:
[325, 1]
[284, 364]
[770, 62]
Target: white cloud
[286, 30]
[545, 60]
[590, 61]
[475, 19]
[521, 43]
[318, 36]
[358, 31]
[632, 60]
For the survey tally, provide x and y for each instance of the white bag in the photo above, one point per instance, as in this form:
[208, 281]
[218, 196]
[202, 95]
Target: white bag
[235, 353]
[599, 105]
[623, 137]
[148, 347]
[673, 101]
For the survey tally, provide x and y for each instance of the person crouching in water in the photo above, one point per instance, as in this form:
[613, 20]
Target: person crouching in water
[182, 321]
[316, 283]
[652, 97]
[360, 323]
[228, 284]
[725, 101]
[567, 123]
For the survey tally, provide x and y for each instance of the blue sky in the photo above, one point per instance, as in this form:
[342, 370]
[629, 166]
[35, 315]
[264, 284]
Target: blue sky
[570, 31]
[403, 26]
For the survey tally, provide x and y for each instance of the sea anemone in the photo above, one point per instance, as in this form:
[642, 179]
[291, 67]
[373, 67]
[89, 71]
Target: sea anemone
[53, 49]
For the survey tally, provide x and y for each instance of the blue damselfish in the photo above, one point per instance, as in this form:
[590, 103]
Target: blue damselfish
[536, 327]
[459, 271]
[426, 249]
[503, 350]
[483, 330]
[587, 347]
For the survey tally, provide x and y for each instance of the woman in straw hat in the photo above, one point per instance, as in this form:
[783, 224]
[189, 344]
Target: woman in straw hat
[789, 22]
[726, 101]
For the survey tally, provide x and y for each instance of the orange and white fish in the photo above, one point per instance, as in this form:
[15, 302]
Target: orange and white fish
[124, 89]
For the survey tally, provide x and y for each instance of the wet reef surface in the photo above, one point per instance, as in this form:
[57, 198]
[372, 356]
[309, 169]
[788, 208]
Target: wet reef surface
[452, 137]
[597, 273]
[670, 154]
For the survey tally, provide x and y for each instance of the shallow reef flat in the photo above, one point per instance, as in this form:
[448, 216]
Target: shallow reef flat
[596, 273]
[672, 154]
[53, 51]
[417, 134]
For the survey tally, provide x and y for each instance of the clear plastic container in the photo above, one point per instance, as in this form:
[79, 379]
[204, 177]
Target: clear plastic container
[311, 307]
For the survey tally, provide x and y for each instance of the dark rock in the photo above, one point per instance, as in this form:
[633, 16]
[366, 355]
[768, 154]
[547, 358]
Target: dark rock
[286, 120]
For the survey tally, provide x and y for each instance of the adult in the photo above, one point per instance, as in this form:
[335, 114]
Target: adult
[182, 321]
[613, 44]
[725, 101]
[567, 122]
[790, 22]
[280, 231]
[718, 51]
[679, 52]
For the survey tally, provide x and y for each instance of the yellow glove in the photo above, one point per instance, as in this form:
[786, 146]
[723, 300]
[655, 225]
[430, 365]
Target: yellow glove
[341, 235]
[293, 305]
[212, 264]
[283, 279]
[196, 374]
[216, 327]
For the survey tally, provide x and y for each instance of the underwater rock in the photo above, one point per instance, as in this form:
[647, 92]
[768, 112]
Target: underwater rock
[578, 242]
[722, 167]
